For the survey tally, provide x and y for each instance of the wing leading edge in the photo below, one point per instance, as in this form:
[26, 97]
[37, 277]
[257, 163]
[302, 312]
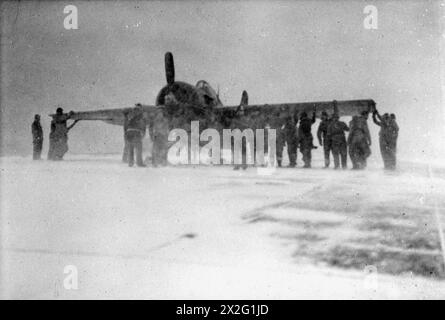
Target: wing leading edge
[342, 108]
[111, 116]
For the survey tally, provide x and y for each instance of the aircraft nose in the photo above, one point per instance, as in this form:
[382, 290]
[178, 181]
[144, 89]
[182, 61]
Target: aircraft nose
[170, 98]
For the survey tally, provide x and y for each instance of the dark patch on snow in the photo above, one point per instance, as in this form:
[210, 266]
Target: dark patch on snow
[189, 235]
[426, 265]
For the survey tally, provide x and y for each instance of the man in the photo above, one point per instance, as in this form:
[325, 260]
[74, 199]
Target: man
[387, 138]
[135, 130]
[322, 137]
[305, 137]
[58, 137]
[337, 140]
[37, 138]
[276, 123]
[359, 141]
[240, 122]
[159, 131]
[291, 138]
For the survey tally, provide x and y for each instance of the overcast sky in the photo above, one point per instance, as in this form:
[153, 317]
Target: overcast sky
[292, 51]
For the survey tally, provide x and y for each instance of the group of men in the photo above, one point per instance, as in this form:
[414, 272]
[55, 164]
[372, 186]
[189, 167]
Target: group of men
[331, 136]
[295, 134]
[58, 136]
[135, 126]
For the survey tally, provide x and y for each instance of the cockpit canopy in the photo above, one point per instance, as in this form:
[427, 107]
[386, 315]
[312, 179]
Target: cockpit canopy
[210, 96]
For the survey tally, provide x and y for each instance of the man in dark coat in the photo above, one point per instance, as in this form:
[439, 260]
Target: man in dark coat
[387, 138]
[359, 141]
[337, 140]
[37, 138]
[58, 137]
[291, 138]
[322, 137]
[135, 125]
[305, 137]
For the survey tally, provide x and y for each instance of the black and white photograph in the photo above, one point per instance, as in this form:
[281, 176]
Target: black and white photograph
[222, 150]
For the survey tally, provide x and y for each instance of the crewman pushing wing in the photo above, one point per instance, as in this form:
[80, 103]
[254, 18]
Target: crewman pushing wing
[135, 130]
[337, 141]
[387, 138]
[58, 137]
[359, 141]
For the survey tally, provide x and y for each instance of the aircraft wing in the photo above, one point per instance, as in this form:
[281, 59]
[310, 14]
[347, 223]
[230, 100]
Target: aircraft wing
[342, 108]
[112, 116]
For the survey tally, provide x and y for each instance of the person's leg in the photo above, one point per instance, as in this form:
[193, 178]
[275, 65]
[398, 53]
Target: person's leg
[383, 152]
[40, 149]
[244, 153]
[292, 152]
[309, 151]
[366, 153]
[130, 153]
[35, 151]
[327, 151]
[344, 156]
[125, 151]
[155, 152]
[164, 151]
[138, 147]
[336, 155]
[353, 154]
[51, 149]
[306, 160]
[393, 150]
[279, 151]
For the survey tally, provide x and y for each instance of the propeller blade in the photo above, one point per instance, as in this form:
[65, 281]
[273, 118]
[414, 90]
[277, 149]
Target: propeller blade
[169, 68]
[244, 99]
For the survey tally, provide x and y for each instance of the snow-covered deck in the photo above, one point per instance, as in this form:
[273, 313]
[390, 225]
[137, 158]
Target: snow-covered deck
[211, 232]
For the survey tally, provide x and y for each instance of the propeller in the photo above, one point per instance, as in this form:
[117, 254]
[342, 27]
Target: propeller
[169, 68]
[244, 99]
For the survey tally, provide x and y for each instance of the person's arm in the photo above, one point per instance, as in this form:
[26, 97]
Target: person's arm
[374, 118]
[313, 116]
[72, 125]
[319, 132]
[378, 115]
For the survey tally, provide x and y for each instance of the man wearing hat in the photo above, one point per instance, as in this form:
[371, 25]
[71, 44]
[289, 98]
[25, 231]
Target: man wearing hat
[305, 137]
[322, 137]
